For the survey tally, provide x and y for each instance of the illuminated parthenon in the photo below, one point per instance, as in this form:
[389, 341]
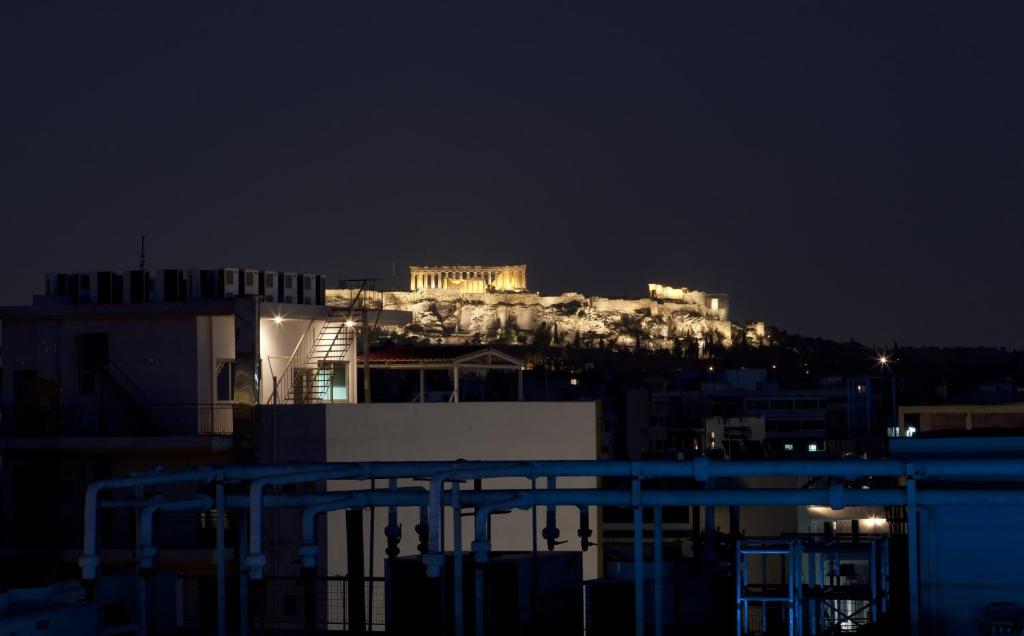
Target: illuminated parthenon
[468, 278]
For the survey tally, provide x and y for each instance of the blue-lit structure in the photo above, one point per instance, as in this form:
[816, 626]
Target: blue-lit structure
[928, 488]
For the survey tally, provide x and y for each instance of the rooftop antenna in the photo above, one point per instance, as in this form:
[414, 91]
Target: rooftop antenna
[142, 253]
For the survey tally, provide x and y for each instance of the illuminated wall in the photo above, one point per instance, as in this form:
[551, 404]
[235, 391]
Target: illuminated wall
[467, 430]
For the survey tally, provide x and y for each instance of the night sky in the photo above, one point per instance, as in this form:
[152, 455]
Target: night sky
[843, 169]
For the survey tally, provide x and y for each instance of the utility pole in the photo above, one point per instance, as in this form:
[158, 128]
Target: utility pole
[366, 353]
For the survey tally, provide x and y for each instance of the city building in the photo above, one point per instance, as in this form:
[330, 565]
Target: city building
[116, 374]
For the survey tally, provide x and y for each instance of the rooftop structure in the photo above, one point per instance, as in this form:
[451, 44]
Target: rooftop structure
[184, 285]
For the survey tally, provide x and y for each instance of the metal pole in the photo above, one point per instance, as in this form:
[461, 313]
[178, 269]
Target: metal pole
[885, 576]
[369, 597]
[533, 519]
[798, 587]
[873, 565]
[915, 609]
[221, 573]
[143, 602]
[638, 560]
[659, 592]
[457, 556]
[366, 356]
[739, 591]
[791, 580]
[243, 576]
[812, 608]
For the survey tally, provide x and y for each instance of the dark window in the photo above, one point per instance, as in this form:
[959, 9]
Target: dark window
[287, 282]
[290, 605]
[248, 279]
[93, 349]
[226, 381]
[87, 383]
[229, 277]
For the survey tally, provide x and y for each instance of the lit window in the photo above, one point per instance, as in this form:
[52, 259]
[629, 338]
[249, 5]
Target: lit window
[573, 381]
[788, 447]
[333, 382]
[714, 304]
[812, 448]
[911, 430]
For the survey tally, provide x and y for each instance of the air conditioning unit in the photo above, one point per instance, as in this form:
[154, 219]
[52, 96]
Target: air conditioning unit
[56, 284]
[206, 284]
[86, 288]
[136, 286]
[250, 282]
[108, 288]
[321, 290]
[230, 283]
[308, 289]
[289, 288]
[268, 287]
[169, 286]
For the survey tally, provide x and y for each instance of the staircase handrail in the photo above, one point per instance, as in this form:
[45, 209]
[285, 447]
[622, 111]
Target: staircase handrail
[286, 372]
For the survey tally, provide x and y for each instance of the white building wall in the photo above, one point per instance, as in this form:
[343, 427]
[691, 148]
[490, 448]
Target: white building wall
[215, 344]
[470, 431]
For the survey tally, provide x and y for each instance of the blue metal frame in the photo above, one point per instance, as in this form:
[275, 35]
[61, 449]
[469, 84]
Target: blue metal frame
[486, 502]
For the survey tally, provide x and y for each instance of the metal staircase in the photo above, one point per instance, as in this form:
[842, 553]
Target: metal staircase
[318, 366]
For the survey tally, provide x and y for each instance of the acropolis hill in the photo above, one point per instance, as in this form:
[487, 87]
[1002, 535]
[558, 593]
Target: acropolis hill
[479, 304]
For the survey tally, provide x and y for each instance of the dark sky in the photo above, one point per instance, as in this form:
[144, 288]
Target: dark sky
[844, 169]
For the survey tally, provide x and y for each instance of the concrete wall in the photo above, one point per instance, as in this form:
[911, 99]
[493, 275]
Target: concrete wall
[970, 557]
[162, 367]
[471, 431]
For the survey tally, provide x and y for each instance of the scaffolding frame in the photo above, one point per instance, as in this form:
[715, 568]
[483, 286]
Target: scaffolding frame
[823, 598]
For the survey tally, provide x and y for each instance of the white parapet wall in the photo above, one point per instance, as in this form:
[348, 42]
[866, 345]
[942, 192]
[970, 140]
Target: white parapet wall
[470, 431]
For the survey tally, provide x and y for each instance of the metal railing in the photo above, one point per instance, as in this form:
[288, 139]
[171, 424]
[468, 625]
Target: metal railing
[312, 348]
[284, 607]
[897, 486]
[120, 420]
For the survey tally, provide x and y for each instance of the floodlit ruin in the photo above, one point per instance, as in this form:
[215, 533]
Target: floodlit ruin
[478, 304]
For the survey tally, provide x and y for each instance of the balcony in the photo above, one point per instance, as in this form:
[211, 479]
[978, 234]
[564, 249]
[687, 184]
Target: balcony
[194, 425]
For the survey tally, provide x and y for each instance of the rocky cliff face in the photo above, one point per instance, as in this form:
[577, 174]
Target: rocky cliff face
[451, 317]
